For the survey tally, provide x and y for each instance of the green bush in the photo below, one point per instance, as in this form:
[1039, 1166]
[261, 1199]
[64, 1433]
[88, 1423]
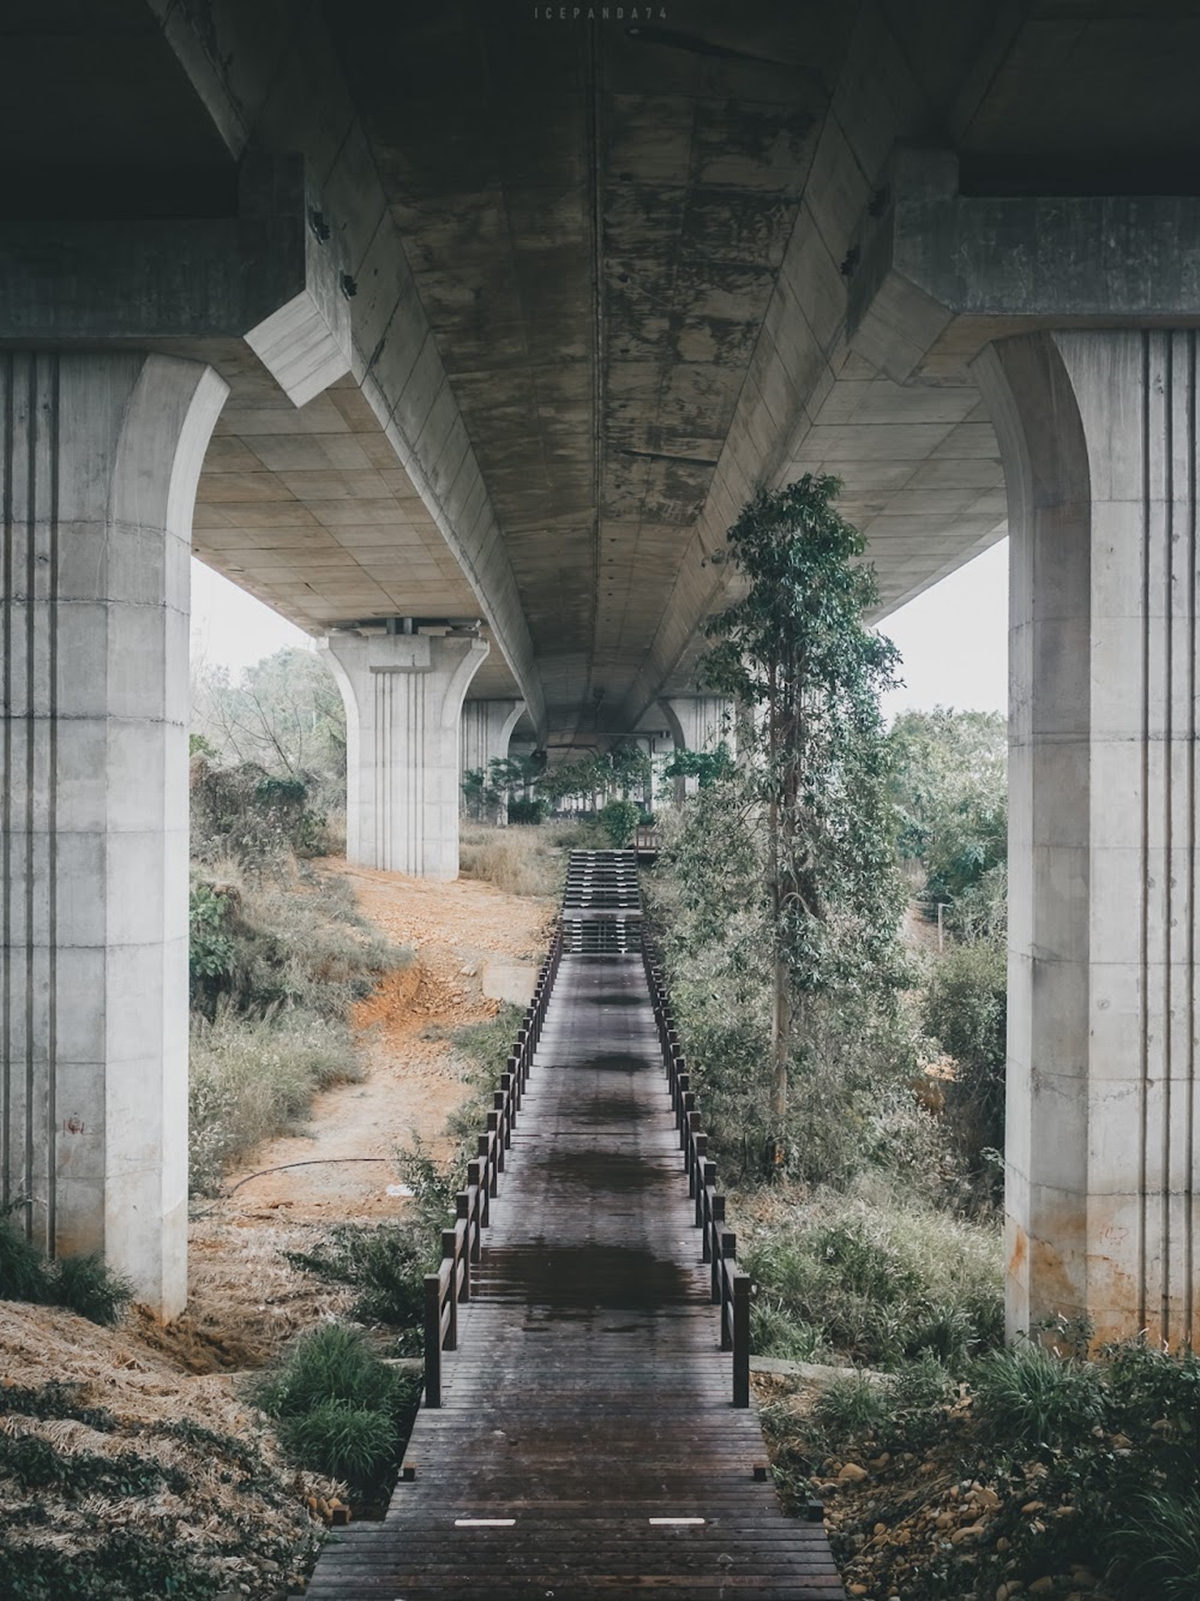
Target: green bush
[85, 1285]
[880, 1283]
[329, 1363]
[1028, 1397]
[619, 819]
[347, 1442]
[339, 1408]
[535, 809]
[82, 1284]
[851, 1406]
[386, 1264]
[1158, 1538]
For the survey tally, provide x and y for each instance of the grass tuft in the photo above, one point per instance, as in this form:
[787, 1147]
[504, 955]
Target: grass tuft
[1028, 1397]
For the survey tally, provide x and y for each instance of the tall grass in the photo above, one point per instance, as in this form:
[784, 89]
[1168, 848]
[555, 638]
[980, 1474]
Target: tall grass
[276, 966]
[338, 1408]
[875, 1280]
[520, 859]
[253, 1079]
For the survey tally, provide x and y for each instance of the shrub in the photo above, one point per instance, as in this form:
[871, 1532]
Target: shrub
[877, 1282]
[340, 1410]
[1159, 1540]
[85, 1285]
[852, 1405]
[22, 1266]
[386, 1264]
[535, 809]
[1029, 1397]
[965, 1009]
[619, 819]
[329, 1363]
[344, 1441]
[82, 1284]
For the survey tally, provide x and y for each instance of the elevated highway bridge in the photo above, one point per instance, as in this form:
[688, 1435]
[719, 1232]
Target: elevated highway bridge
[459, 333]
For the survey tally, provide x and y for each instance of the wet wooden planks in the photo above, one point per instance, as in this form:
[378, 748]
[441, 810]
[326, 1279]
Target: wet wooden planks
[588, 1395]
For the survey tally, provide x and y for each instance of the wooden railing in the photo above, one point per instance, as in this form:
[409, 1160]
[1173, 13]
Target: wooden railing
[451, 1284]
[730, 1284]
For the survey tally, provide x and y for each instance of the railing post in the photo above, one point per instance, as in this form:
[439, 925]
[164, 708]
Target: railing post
[433, 1339]
[462, 1211]
[741, 1339]
[449, 1256]
[473, 1183]
[728, 1252]
[485, 1181]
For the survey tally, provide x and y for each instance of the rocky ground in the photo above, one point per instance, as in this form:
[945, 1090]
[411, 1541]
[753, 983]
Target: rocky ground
[941, 1520]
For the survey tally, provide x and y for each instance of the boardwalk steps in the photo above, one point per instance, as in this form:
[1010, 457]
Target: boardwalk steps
[586, 1443]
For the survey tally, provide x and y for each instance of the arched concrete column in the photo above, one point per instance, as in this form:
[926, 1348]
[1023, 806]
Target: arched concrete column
[100, 459]
[1099, 440]
[486, 729]
[403, 695]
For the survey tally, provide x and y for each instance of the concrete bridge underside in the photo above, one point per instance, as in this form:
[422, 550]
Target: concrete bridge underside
[459, 334]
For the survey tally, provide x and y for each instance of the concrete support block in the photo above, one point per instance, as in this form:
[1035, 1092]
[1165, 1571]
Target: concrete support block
[485, 730]
[100, 459]
[1099, 439]
[404, 696]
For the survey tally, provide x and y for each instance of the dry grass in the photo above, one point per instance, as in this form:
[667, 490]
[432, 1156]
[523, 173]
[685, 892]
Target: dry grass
[520, 859]
[254, 1078]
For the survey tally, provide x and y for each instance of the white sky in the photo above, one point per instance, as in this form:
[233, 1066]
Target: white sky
[953, 638]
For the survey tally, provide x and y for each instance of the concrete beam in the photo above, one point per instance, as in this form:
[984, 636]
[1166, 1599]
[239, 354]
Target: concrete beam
[925, 258]
[275, 276]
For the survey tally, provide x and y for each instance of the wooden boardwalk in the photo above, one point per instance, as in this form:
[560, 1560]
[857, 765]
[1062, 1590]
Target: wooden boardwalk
[587, 1444]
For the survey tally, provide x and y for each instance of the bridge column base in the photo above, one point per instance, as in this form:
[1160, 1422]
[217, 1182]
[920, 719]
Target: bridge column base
[403, 695]
[99, 464]
[1098, 436]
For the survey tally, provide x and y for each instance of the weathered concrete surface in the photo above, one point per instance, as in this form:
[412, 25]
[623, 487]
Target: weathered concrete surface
[100, 460]
[1100, 444]
[403, 695]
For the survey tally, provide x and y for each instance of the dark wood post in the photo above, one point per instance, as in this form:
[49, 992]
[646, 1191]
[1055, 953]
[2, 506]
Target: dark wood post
[433, 1339]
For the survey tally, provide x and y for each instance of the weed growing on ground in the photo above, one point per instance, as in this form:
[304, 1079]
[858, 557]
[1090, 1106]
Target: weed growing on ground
[386, 1264]
[520, 859]
[339, 1408]
[1032, 1399]
[874, 1281]
[1041, 1471]
[82, 1284]
[254, 1078]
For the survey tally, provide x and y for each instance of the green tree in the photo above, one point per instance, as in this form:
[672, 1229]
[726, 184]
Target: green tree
[950, 784]
[284, 714]
[794, 652]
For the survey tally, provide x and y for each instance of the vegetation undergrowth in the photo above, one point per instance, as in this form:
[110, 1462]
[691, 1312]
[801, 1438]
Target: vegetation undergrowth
[520, 859]
[339, 1409]
[82, 1284]
[871, 1278]
[1040, 1472]
[277, 961]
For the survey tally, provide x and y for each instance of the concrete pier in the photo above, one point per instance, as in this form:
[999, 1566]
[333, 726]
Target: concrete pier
[404, 695]
[1099, 440]
[101, 454]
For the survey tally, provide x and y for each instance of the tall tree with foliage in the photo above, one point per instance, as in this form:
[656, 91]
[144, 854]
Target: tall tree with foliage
[794, 651]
